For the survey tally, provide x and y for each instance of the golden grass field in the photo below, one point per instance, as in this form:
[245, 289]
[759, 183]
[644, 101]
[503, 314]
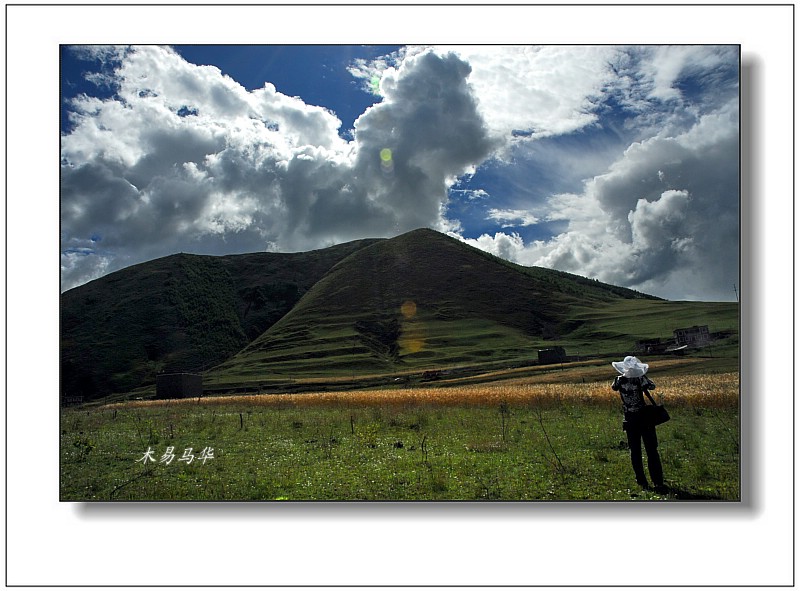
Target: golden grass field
[708, 391]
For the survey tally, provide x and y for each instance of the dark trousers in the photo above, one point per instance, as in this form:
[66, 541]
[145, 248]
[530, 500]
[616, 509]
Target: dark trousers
[639, 432]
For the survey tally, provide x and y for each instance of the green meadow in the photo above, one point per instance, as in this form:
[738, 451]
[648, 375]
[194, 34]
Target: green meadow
[327, 346]
[503, 441]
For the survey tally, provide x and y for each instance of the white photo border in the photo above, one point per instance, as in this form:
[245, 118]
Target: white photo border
[741, 544]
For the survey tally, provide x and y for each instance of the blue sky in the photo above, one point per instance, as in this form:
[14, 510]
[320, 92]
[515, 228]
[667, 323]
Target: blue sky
[313, 72]
[616, 163]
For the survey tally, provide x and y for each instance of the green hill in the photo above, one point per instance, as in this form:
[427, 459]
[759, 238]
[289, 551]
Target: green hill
[178, 313]
[419, 301]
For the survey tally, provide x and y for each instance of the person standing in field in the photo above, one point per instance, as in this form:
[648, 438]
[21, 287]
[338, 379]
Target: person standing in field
[631, 384]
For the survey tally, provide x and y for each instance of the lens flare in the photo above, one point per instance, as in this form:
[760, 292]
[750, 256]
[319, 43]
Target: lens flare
[412, 332]
[387, 164]
[412, 338]
[408, 309]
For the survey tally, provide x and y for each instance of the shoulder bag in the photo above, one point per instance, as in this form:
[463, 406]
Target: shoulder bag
[654, 414]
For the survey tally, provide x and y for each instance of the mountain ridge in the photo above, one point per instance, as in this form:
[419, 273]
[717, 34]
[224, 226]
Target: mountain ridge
[421, 299]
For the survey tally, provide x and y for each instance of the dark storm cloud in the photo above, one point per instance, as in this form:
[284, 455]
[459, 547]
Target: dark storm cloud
[429, 131]
[182, 158]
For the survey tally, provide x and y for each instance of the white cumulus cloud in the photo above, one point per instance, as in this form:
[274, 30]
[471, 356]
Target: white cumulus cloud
[182, 157]
[632, 156]
[663, 218]
[513, 217]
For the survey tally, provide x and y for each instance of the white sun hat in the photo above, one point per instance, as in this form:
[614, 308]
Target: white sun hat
[631, 367]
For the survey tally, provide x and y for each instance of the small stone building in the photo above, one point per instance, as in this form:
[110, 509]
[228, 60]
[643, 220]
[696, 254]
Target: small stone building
[179, 385]
[651, 346]
[552, 355]
[695, 336]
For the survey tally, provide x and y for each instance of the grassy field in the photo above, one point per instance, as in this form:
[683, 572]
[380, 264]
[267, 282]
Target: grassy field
[330, 347]
[519, 438]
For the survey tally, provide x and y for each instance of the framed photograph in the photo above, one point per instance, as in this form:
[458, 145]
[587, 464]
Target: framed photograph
[372, 281]
[369, 273]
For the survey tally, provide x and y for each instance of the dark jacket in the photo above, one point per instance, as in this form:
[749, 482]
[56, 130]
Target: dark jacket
[631, 391]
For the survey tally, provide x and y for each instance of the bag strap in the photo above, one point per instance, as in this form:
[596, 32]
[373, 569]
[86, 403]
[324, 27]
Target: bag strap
[650, 397]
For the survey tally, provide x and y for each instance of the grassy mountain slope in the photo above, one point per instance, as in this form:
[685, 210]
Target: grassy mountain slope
[178, 313]
[421, 299]
[417, 301]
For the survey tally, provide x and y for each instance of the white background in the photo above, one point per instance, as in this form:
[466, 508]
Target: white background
[52, 543]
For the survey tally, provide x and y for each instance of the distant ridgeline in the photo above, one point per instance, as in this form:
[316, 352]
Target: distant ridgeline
[420, 300]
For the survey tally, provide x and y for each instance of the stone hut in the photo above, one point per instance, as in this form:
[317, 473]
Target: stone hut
[695, 336]
[552, 355]
[179, 385]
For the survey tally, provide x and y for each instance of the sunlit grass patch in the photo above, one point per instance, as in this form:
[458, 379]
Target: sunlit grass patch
[718, 390]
